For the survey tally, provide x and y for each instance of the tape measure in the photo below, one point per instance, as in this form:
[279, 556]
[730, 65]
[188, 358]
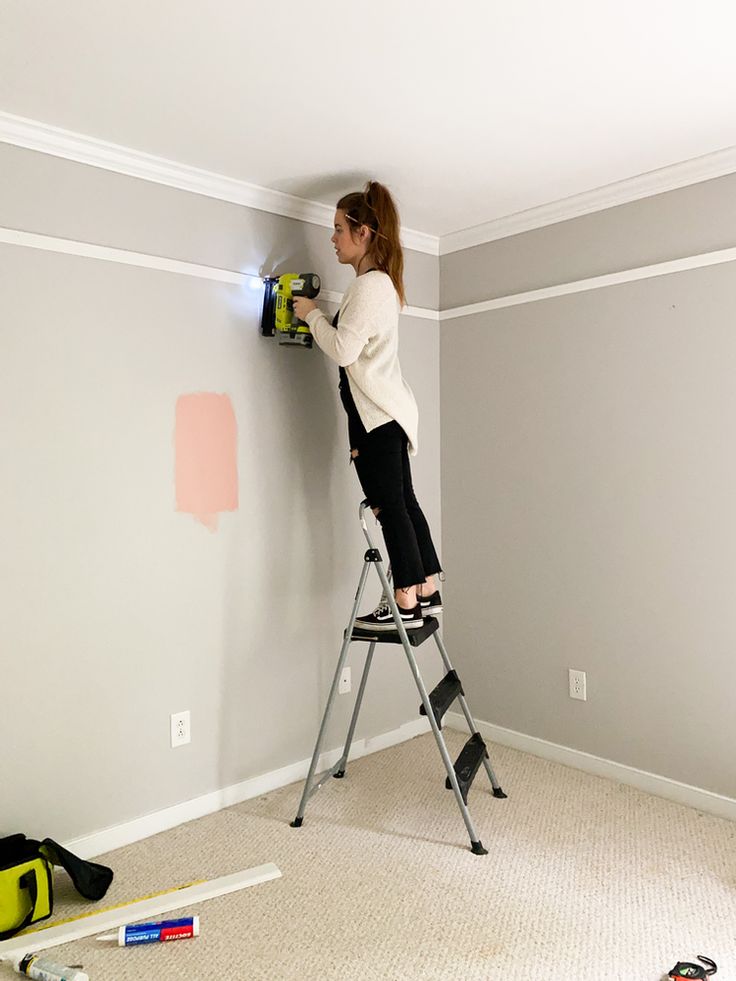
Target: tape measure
[685, 971]
[108, 909]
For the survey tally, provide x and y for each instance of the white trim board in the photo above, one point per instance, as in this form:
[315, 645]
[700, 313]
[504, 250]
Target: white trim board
[594, 283]
[12, 236]
[88, 250]
[650, 783]
[55, 141]
[88, 924]
[100, 842]
[671, 178]
[34, 135]
[107, 840]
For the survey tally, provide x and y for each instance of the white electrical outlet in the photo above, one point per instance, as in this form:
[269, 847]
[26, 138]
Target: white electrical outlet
[577, 684]
[180, 729]
[344, 687]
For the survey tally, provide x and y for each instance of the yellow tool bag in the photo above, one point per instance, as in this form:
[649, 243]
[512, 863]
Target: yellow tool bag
[27, 883]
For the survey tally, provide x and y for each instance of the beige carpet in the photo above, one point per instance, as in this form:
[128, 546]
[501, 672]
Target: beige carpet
[585, 880]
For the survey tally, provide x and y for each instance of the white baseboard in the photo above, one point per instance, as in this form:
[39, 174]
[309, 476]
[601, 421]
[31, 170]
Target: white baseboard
[120, 835]
[109, 839]
[650, 783]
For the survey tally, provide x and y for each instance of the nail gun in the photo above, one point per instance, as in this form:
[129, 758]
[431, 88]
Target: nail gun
[278, 317]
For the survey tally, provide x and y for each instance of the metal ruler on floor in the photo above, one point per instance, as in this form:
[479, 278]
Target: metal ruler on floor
[97, 921]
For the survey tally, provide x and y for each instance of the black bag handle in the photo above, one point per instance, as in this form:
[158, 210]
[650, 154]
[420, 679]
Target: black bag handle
[90, 879]
[27, 881]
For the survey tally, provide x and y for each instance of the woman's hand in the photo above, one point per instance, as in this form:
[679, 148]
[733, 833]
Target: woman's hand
[303, 306]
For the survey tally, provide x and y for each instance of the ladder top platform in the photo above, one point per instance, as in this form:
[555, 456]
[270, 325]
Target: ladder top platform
[416, 637]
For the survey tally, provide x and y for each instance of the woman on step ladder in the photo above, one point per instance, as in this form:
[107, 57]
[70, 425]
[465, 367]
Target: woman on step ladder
[381, 409]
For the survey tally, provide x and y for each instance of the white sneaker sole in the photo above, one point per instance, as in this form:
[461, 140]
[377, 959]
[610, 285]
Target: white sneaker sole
[384, 627]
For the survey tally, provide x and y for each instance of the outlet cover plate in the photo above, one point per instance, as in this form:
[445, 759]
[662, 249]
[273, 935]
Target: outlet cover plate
[181, 732]
[577, 685]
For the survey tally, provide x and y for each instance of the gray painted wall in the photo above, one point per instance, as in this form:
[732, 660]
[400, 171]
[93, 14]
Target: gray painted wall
[588, 483]
[587, 494]
[116, 609]
[689, 221]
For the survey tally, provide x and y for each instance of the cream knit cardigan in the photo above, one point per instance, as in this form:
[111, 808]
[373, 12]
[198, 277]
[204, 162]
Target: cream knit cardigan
[366, 344]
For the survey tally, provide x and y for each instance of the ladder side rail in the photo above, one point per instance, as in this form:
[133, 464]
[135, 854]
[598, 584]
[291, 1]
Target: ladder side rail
[340, 768]
[449, 767]
[466, 712]
[333, 691]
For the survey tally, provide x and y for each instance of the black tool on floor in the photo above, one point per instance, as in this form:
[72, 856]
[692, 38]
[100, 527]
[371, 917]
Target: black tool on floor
[685, 971]
[434, 705]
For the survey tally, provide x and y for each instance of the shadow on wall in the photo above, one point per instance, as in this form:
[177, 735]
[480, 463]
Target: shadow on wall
[281, 561]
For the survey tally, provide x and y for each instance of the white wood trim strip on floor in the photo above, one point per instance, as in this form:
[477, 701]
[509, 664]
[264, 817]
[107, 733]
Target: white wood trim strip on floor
[87, 925]
[650, 783]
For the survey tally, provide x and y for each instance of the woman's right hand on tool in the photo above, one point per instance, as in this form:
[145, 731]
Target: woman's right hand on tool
[303, 306]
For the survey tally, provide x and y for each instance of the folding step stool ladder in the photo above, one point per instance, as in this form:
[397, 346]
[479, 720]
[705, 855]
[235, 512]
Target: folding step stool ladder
[461, 775]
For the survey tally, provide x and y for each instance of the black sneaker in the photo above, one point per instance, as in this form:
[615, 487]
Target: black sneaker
[382, 619]
[431, 605]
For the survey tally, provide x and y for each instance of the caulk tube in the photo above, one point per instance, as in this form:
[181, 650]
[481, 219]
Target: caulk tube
[43, 969]
[154, 933]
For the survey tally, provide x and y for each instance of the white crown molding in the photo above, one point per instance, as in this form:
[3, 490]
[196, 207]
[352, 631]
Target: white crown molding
[45, 138]
[709, 166]
[34, 135]
[649, 783]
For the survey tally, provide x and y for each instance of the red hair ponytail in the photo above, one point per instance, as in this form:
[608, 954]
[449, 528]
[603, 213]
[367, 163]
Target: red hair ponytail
[375, 208]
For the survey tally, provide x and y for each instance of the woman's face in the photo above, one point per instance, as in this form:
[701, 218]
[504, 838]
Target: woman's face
[349, 250]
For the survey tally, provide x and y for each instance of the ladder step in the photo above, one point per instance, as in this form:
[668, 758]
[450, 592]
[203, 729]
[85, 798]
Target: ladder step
[416, 637]
[468, 762]
[442, 697]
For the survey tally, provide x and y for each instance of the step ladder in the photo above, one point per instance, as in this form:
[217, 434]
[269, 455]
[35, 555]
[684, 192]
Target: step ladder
[434, 705]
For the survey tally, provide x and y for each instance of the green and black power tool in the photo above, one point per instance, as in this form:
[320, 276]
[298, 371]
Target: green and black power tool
[278, 316]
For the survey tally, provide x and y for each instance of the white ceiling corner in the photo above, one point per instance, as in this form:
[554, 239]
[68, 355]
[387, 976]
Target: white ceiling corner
[483, 118]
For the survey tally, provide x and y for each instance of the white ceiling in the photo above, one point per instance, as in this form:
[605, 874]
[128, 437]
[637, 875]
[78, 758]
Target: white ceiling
[469, 111]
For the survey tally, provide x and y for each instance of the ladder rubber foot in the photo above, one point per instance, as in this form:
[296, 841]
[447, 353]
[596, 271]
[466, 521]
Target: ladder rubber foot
[443, 695]
[477, 848]
[296, 823]
[467, 764]
[341, 773]
[497, 792]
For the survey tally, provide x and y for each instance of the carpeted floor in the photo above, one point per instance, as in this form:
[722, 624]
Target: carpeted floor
[585, 880]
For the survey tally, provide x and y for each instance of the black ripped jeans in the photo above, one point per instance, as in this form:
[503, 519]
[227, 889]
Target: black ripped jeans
[382, 465]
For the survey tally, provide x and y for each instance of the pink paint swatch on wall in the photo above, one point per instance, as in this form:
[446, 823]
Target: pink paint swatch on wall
[206, 456]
